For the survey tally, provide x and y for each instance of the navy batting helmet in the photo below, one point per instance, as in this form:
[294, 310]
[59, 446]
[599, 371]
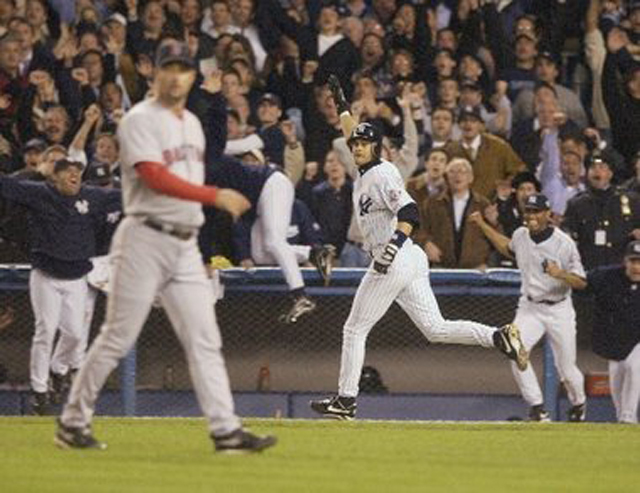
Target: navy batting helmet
[369, 133]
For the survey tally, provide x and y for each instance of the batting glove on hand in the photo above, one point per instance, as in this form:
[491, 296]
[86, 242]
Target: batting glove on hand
[382, 263]
[338, 94]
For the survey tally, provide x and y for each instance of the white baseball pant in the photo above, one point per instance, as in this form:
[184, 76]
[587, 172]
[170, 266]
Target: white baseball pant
[147, 263]
[624, 380]
[269, 232]
[558, 322]
[69, 352]
[407, 282]
[57, 304]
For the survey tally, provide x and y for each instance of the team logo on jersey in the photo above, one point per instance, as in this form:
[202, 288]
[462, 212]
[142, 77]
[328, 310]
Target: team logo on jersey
[113, 217]
[365, 204]
[394, 196]
[186, 152]
[82, 206]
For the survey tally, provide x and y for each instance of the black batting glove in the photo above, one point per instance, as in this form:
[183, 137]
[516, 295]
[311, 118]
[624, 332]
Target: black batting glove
[338, 94]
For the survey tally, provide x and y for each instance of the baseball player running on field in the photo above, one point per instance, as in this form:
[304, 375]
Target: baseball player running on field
[387, 214]
[155, 253]
[550, 264]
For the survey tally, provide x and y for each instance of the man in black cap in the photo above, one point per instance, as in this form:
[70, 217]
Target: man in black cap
[548, 66]
[603, 218]
[550, 268]
[616, 329]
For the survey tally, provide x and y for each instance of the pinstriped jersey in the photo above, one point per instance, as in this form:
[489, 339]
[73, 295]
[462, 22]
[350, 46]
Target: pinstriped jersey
[378, 195]
[559, 248]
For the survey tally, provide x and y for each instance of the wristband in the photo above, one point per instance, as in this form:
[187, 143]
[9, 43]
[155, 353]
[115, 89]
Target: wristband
[398, 238]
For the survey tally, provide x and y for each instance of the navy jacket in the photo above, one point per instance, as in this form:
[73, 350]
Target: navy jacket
[616, 328]
[62, 228]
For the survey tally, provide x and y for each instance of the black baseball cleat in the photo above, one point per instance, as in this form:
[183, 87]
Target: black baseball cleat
[507, 339]
[243, 442]
[59, 385]
[322, 258]
[577, 413]
[40, 405]
[76, 437]
[301, 306]
[539, 414]
[336, 407]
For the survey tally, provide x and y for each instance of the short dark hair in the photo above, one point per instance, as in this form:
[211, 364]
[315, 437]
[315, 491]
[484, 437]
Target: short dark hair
[526, 177]
[64, 163]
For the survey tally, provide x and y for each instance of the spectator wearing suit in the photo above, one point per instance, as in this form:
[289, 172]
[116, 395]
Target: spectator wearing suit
[431, 182]
[492, 159]
[452, 241]
[616, 329]
[603, 219]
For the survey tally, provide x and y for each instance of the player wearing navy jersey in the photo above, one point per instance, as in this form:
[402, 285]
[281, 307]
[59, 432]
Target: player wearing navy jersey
[62, 218]
[616, 329]
[271, 195]
[399, 270]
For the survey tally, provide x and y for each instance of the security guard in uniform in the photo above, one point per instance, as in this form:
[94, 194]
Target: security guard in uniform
[603, 219]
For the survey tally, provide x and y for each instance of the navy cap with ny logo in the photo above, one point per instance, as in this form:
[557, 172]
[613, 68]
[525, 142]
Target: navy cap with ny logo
[538, 202]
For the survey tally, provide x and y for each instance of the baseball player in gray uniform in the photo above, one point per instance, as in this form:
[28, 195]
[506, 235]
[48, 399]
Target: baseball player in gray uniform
[387, 214]
[551, 267]
[155, 253]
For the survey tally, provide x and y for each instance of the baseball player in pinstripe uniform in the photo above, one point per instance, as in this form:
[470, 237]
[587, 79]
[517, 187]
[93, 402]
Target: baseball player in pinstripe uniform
[155, 253]
[387, 214]
[551, 267]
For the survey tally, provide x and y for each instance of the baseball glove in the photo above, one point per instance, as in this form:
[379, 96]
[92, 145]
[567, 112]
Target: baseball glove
[338, 94]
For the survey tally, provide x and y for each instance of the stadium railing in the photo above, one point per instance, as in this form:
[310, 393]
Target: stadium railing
[265, 356]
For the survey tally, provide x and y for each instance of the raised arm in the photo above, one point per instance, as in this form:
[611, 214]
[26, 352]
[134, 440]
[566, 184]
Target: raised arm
[347, 121]
[498, 240]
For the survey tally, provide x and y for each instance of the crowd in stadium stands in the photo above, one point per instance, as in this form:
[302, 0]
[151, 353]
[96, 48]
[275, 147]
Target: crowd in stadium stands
[482, 103]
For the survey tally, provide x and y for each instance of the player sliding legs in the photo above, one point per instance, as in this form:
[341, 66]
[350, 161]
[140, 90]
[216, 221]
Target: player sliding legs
[399, 272]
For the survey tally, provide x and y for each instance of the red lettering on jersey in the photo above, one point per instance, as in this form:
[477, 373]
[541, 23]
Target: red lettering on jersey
[184, 153]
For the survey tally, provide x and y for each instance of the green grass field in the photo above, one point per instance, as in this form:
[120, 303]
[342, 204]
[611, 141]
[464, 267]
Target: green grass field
[174, 454]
